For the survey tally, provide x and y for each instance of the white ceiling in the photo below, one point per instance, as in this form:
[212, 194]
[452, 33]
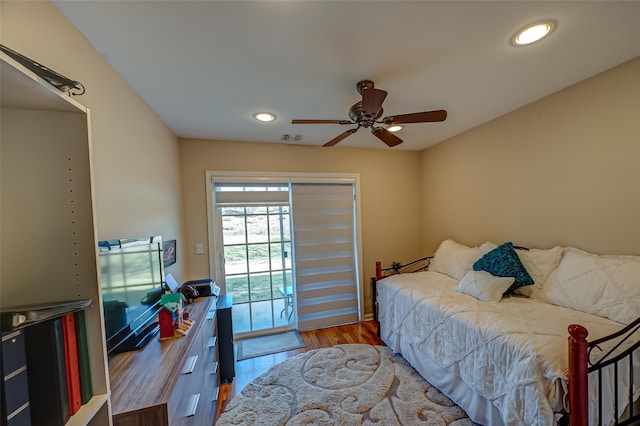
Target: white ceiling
[205, 67]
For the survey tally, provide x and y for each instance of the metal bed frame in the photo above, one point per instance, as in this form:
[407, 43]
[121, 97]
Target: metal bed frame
[581, 369]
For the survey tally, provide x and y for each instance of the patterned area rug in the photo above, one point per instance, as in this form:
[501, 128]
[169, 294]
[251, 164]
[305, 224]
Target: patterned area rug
[344, 385]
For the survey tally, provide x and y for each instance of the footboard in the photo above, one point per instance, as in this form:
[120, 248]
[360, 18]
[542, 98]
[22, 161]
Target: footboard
[583, 368]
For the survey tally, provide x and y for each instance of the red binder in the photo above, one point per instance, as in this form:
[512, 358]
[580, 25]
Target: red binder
[71, 361]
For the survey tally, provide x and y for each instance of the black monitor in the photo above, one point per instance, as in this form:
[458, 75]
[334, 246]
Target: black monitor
[132, 282]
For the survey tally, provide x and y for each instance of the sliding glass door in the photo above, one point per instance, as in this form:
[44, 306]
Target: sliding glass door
[286, 247]
[255, 231]
[257, 247]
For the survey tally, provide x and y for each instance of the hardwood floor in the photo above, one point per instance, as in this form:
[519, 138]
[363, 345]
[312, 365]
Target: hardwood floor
[249, 369]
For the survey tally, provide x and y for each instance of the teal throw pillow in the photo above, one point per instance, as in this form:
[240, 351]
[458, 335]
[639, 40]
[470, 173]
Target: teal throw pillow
[503, 261]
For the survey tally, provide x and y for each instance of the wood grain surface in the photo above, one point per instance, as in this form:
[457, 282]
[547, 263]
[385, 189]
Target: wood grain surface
[145, 378]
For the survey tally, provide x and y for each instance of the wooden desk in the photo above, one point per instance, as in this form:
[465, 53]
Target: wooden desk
[173, 381]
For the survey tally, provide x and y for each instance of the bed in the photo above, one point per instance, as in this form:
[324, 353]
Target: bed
[504, 359]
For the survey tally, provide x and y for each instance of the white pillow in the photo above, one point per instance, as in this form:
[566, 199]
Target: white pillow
[454, 259]
[607, 285]
[539, 264]
[484, 286]
[487, 247]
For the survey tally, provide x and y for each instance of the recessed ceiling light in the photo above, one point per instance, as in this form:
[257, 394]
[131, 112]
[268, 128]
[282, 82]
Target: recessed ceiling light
[264, 116]
[533, 32]
[394, 129]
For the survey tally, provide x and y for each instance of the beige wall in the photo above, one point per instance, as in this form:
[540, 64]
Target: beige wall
[389, 187]
[564, 170]
[135, 156]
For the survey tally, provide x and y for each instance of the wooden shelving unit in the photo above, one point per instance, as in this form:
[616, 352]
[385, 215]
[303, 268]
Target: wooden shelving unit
[48, 239]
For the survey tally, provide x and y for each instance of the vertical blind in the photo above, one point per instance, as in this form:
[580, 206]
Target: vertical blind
[323, 218]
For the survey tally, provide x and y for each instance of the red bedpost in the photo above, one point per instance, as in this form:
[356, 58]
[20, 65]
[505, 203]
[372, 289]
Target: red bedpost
[578, 376]
[378, 271]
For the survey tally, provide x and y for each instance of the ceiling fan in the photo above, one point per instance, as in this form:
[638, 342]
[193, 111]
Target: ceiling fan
[367, 112]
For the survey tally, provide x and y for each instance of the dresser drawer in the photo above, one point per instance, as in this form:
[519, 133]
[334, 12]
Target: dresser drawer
[16, 393]
[184, 400]
[13, 351]
[207, 330]
[21, 418]
[15, 388]
[197, 405]
[193, 400]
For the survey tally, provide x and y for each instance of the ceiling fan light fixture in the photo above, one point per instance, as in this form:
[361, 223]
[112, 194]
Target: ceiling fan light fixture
[265, 117]
[366, 114]
[533, 33]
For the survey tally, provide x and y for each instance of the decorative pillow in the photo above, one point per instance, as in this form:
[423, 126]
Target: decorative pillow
[484, 286]
[503, 261]
[539, 264]
[454, 259]
[607, 285]
[487, 247]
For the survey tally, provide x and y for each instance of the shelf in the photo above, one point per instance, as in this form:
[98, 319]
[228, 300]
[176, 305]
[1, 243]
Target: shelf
[49, 248]
[23, 89]
[19, 317]
[88, 411]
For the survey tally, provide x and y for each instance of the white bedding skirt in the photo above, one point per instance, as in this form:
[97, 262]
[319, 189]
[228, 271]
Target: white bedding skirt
[479, 409]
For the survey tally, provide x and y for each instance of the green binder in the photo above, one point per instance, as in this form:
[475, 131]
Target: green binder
[83, 358]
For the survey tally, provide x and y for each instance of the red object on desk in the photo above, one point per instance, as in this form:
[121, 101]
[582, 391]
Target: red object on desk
[166, 319]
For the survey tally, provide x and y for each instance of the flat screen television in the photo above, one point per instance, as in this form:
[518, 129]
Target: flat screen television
[132, 282]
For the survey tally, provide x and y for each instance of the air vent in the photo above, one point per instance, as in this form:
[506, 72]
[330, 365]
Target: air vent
[295, 138]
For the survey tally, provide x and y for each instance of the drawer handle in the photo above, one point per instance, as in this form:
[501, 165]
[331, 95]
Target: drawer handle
[216, 392]
[211, 315]
[193, 405]
[13, 335]
[190, 365]
[15, 373]
[215, 368]
[18, 411]
[212, 341]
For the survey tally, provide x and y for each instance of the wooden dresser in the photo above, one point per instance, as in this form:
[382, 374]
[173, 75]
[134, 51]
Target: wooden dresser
[171, 382]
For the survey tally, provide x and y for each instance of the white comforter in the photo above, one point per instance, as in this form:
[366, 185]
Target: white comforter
[513, 353]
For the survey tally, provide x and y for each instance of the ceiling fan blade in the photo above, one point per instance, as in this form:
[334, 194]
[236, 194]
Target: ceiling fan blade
[372, 100]
[338, 138]
[322, 122]
[417, 117]
[386, 136]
